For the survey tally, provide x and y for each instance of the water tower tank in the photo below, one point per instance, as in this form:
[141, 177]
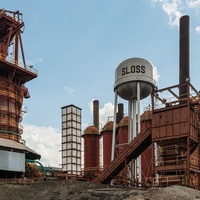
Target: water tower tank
[128, 73]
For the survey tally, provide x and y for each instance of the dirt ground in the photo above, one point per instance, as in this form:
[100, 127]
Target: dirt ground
[27, 192]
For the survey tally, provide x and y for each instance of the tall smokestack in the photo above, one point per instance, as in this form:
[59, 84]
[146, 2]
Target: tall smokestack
[184, 68]
[96, 113]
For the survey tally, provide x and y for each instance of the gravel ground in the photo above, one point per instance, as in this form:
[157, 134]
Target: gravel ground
[26, 192]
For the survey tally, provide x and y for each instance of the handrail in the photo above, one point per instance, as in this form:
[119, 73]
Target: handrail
[18, 64]
[157, 181]
[132, 151]
[169, 97]
[170, 161]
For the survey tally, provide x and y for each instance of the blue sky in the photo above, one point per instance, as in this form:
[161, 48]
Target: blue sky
[76, 47]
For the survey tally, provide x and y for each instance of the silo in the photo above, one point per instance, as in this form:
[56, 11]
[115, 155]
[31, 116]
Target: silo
[147, 155]
[91, 147]
[122, 135]
[107, 142]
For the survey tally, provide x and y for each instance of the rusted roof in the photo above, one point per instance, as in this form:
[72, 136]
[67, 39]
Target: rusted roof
[124, 121]
[147, 115]
[30, 154]
[91, 130]
[109, 126]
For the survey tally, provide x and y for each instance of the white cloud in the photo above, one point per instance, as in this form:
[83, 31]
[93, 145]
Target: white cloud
[172, 9]
[69, 90]
[173, 13]
[104, 113]
[46, 141]
[197, 29]
[175, 8]
[156, 75]
[35, 61]
[193, 3]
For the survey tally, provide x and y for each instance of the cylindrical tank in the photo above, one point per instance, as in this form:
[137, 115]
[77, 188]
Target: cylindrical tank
[146, 156]
[10, 109]
[107, 142]
[128, 73]
[122, 135]
[91, 147]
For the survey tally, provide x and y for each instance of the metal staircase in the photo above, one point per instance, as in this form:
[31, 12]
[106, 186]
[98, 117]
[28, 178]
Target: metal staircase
[132, 151]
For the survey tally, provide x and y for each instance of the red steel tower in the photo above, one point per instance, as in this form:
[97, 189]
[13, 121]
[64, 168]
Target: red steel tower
[14, 74]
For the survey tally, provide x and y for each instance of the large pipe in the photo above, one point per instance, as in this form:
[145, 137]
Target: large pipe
[96, 113]
[184, 68]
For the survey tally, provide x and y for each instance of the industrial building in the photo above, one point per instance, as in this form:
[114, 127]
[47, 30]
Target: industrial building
[158, 147]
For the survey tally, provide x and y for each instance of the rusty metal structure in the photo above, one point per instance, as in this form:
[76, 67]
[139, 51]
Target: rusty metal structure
[175, 125]
[175, 137]
[121, 135]
[170, 133]
[170, 137]
[14, 74]
[106, 134]
[166, 135]
[147, 155]
[137, 146]
[91, 138]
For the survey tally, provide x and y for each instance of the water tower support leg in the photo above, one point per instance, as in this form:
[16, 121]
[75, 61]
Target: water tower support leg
[138, 130]
[138, 106]
[134, 119]
[134, 167]
[114, 122]
[130, 127]
[130, 135]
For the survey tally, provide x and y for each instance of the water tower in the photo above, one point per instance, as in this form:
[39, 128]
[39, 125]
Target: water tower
[133, 82]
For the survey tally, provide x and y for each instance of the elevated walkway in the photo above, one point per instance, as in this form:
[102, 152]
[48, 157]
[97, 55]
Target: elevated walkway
[132, 151]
